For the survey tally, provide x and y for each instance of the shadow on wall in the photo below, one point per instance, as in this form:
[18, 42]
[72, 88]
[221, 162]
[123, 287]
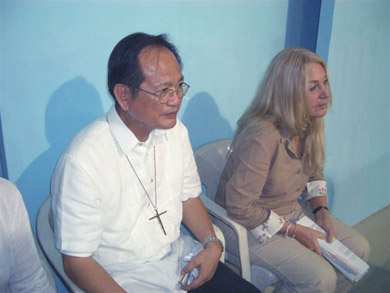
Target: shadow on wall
[71, 107]
[204, 122]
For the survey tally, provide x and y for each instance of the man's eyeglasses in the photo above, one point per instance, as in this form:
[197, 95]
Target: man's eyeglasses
[164, 95]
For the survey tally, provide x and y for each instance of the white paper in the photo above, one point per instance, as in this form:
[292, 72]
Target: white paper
[347, 262]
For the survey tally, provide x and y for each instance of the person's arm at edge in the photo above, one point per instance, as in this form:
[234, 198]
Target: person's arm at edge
[27, 271]
[87, 274]
[197, 220]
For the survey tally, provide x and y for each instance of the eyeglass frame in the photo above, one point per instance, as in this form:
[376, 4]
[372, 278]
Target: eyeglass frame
[167, 91]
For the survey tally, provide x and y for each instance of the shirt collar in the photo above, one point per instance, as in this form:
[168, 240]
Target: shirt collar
[288, 138]
[125, 137]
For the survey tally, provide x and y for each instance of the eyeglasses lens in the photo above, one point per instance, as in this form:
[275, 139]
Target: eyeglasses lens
[180, 91]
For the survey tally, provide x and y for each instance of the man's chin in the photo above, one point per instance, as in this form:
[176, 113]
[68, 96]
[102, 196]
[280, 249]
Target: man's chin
[168, 124]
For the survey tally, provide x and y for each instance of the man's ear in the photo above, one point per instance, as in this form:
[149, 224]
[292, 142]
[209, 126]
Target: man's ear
[123, 96]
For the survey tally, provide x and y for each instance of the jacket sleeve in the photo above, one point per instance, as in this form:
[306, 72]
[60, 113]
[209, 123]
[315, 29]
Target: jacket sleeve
[253, 159]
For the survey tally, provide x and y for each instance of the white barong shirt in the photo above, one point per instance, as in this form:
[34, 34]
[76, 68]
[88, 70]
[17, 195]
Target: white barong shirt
[101, 210]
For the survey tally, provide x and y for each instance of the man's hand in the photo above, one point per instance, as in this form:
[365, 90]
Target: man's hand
[197, 220]
[323, 219]
[207, 262]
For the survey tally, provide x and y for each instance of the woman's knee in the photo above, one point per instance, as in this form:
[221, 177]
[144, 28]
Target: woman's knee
[352, 239]
[323, 279]
[326, 282]
[362, 247]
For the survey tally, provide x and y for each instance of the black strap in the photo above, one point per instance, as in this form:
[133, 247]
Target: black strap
[320, 208]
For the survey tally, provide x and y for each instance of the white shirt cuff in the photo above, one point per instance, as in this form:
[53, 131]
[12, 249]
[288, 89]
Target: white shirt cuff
[76, 254]
[268, 228]
[314, 189]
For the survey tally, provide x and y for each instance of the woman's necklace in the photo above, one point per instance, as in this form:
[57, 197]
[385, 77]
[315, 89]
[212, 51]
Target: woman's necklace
[157, 216]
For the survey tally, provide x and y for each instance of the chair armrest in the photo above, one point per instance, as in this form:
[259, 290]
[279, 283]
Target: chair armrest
[46, 241]
[220, 213]
[220, 236]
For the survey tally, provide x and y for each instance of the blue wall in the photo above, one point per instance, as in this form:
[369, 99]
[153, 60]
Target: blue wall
[53, 70]
[55, 55]
[357, 129]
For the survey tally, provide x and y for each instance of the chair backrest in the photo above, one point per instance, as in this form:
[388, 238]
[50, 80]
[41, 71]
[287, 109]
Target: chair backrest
[211, 159]
[45, 237]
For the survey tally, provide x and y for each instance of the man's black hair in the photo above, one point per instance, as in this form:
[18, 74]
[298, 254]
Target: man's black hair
[124, 66]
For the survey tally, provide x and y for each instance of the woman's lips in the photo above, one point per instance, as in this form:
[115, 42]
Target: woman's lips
[322, 106]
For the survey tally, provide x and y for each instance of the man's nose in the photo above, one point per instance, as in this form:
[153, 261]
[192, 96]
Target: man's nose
[174, 99]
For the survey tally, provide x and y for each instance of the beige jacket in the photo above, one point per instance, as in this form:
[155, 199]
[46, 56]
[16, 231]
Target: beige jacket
[262, 175]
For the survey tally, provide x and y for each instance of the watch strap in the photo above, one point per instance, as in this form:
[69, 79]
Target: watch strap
[213, 239]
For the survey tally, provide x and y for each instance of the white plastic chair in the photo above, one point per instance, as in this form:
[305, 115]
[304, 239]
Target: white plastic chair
[45, 237]
[46, 241]
[210, 160]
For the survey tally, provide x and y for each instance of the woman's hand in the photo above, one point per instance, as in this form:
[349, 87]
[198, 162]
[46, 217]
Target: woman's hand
[323, 219]
[309, 238]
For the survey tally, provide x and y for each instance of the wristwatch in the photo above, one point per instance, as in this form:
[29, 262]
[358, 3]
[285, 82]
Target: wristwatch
[214, 239]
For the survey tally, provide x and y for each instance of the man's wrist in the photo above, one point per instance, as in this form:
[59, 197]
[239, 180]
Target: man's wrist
[215, 240]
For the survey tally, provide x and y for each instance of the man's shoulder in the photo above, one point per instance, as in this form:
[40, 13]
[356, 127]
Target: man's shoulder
[93, 136]
[10, 200]
[8, 190]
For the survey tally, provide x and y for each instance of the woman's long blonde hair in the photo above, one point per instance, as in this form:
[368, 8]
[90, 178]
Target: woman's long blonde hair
[282, 99]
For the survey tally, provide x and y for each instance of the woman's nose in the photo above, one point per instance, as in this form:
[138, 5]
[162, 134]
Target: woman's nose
[324, 92]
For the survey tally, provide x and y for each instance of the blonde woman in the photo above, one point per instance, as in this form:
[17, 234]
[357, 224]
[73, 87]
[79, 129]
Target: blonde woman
[278, 154]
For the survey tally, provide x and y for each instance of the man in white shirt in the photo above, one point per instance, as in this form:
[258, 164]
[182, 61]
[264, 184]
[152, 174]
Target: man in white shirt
[21, 269]
[126, 182]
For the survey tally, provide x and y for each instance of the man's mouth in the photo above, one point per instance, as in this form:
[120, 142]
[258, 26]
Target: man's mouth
[170, 115]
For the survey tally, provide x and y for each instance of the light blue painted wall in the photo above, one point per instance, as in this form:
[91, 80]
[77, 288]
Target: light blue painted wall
[55, 56]
[53, 70]
[357, 129]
